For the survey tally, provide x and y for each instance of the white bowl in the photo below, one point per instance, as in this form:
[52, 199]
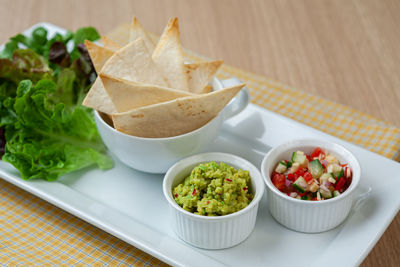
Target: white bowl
[212, 232]
[309, 216]
[156, 155]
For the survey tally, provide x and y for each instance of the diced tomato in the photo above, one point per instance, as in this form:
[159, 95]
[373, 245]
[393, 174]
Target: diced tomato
[279, 181]
[315, 199]
[317, 152]
[303, 194]
[291, 177]
[300, 172]
[309, 158]
[308, 177]
[339, 185]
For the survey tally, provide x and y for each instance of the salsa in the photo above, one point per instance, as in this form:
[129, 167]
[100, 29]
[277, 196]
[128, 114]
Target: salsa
[214, 189]
[316, 176]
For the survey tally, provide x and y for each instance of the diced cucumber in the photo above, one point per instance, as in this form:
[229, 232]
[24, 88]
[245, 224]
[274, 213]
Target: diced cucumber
[300, 158]
[324, 178]
[339, 174]
[288, 164]
[281, 168]
[336, 193]
[305, 198]
[335, 169]
[315, 168]
[300, 184]
[325, 193]
[294, 168]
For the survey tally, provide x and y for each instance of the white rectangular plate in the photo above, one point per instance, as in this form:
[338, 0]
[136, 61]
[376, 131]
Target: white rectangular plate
[130, 204]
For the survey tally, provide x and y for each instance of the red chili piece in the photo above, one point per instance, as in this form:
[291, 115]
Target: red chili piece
[245, 188]
[194, 192]
[229, 180]
[176, 195]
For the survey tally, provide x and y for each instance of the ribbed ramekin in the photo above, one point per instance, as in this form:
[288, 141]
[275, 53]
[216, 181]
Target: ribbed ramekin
[212, 232]
[309, 216]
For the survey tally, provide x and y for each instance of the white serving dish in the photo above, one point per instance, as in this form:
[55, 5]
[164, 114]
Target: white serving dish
[309, 216]
[212, 232]
[130, 204]
[156, 155]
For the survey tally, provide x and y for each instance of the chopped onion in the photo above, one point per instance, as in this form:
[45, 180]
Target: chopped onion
[327, 184]
[288, 182]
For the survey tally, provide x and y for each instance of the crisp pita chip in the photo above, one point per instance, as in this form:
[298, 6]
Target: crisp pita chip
[200, 74]
[128, 95]
[134, 63]
[137, 31]
[174, 117]
[98, 99]
[168, 56]
[110, 44]
[99, 55]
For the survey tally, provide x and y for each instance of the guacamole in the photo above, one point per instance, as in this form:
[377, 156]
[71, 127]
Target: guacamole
[214, 189]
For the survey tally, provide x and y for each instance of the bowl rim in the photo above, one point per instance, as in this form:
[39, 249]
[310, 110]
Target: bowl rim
[309, 142]
[115, 131]
[218, 157]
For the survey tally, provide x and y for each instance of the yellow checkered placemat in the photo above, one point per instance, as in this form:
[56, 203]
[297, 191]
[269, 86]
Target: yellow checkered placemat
[34, 232]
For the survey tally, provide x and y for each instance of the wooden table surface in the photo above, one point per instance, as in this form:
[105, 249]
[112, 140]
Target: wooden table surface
[345, 51]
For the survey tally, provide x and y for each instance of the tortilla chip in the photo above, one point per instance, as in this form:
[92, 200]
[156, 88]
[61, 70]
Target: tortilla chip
[174, 117]
[133, 62]
[98, 99]
[127, 95]
[169, 58]
[110, 44]
[137, 31]
[200, 74]
[99, 55]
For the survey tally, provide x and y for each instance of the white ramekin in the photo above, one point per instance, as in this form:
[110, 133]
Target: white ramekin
[212, 232]
[156, 155]
[309, 216]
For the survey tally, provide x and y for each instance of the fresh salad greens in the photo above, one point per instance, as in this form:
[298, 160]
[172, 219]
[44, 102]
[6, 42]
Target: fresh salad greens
[44, 130]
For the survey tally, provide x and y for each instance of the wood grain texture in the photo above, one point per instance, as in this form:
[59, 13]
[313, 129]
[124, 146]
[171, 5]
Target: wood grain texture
[345, 51]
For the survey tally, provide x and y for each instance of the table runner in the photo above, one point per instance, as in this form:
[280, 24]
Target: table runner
[34, 232]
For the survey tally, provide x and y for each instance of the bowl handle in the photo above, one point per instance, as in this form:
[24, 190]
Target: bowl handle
[238, 103]
[359, 202]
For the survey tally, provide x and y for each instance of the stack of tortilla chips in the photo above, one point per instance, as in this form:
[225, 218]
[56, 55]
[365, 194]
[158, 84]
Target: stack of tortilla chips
[146, 88]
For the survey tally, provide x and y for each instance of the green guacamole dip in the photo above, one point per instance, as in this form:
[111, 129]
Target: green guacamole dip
[214, 189]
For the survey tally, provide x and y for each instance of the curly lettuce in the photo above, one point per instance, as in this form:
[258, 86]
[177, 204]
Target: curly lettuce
[45, 132]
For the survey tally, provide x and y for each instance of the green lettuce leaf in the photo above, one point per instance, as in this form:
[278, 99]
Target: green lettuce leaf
[47, 140]
[44, 130]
